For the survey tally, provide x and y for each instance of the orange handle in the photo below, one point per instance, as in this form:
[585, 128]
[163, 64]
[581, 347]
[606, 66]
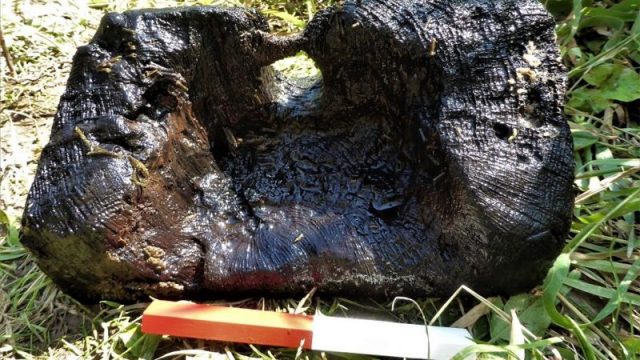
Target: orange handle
[223, 323]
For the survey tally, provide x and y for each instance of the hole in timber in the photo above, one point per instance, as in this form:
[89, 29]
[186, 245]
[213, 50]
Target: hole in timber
[299, 67]
[295, 77]
[503, 131]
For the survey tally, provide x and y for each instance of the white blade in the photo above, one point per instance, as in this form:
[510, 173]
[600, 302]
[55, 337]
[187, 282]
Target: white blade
[385, 338]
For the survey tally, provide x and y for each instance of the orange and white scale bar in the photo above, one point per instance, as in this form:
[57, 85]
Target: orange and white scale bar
[320, 332]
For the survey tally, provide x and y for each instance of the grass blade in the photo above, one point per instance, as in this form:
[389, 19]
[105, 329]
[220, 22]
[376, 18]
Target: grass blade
[591, 228]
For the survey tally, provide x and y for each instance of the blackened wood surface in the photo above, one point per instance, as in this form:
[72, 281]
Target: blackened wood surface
[432, 153]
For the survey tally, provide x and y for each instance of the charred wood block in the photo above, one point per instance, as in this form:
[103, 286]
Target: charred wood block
[432, 152]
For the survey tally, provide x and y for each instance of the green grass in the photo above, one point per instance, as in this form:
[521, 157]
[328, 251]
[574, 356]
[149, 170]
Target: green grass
[587, 307]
